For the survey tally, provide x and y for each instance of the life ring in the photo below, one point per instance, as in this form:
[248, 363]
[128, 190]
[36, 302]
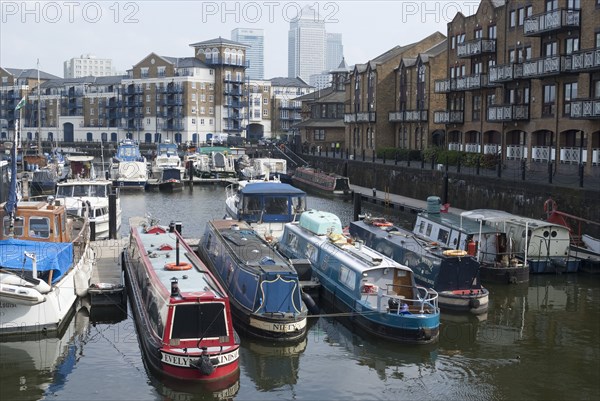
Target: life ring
[180, 266]
[454, 252]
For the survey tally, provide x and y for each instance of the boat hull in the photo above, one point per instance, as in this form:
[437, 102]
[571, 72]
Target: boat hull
[133, 185]
[50, 314]
[504, 275]
[158, 359]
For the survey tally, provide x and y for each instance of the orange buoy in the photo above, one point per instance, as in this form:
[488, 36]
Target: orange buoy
[180, 266]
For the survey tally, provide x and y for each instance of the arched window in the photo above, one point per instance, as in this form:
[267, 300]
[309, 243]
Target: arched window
[113, 137]
[30, 136]
[50, 136]
[89, 137]
[4, 135]
[104, 137]
[129, 135]
[148, 137]
[178, 137]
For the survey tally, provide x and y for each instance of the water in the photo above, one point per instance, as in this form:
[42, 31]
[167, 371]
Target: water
[538, 341]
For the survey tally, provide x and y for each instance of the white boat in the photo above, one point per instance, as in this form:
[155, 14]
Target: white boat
[166, 157]
[265, 167]
[45, 264]
[128, 167]
[266, 205]
[83, 191]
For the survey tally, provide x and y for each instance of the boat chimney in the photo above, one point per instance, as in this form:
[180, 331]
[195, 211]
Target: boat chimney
[178, 226]
[172, 227]
[434, 204]
[174, 287]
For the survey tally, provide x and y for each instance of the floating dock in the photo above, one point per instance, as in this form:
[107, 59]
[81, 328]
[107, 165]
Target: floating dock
[107, 282]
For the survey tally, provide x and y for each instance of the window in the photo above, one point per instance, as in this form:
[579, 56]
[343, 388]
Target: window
[319, 135]
[147, 110]
[265, 112]
[194, 109]
[529, 11]
[598, 38]
[512, 56]
[347, 277]
[476, 108]
[265, 100]
[596, 89]
[571, 45]
[202, 97]
[211, 110]
[574, 4]
[202, 85]
[550, 49]
[211, 98]
[39, 227]
[443, 236]
[570, 94]
[513, 18]
[551, 5]
[521, 13]
[144, 72]
[18, 226]
[201, 121]
[548, 106]
[492, 32]
[193, 121]
[478, 33]
[202, 110]
[91, 112]
[527, 52]
[161, 71]
[453, 42]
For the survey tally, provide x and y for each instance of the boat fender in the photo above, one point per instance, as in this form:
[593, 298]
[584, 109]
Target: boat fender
[310, 303]
[454, 252]
[204, 365]
[180, 266]
[474, 303]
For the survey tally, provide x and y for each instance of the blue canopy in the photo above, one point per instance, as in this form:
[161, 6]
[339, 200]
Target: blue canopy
[56, 256]
[271, 188]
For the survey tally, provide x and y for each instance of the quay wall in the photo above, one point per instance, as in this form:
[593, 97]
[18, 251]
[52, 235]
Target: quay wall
[467, 191]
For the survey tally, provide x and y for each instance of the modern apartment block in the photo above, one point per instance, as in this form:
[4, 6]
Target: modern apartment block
[371, 96]
[88, 65]
[524, 81]
[306, 45]
[255, 40]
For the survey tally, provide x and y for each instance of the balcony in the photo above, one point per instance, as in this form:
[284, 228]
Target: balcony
[349, 118]
[476, 47]
[582, 61]
[368, 117]
[469, 82]
[505, 73]
[551, 21]
[441, 85]
[227, 61]
[408, 116]
[508, 112]
[448, 117]
[585, 109]
[545, 66]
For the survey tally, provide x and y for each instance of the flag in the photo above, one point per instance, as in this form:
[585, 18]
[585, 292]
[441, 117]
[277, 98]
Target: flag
[21, 103]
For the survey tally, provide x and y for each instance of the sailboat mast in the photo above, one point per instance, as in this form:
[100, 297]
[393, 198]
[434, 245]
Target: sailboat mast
[39, 111]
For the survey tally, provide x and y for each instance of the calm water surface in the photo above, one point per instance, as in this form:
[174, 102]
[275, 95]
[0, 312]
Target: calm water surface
[539, 341]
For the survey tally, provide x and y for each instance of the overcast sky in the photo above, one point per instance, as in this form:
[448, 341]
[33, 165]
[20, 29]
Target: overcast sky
[55, 31]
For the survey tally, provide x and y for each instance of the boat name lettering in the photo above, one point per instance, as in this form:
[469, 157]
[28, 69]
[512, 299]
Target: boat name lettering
[287, 327]
[175, 359]
[227, 358]
[422, 278]
[7, 305]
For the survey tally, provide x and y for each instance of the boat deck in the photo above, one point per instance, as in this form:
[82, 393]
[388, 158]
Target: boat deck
[106, 284]
[161, 247]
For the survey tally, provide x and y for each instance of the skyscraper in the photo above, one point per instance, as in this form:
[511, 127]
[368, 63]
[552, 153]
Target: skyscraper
[254, 39]
[306, 45]
[335, 51]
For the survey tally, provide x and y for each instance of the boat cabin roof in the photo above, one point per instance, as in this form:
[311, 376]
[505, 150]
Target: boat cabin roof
[500, 216]
[271, 188]
[250, 249]
[455, 222]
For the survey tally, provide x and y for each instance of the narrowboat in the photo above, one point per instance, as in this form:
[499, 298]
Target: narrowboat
[46, 263]
[328, 184]
[489, 245]
[539, 244]
[265, 205]
[263, 287]
[453, 274]
[170, 180]
[378, 294]
[182, 313]
[128, 169]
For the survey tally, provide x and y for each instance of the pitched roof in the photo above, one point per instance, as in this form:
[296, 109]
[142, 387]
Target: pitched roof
[285, 81]
[29, 73]
[184, 62]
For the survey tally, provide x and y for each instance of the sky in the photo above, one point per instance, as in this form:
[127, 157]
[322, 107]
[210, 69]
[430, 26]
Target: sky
[127, 31]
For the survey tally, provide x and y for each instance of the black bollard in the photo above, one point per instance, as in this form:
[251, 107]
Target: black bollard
[357, 205]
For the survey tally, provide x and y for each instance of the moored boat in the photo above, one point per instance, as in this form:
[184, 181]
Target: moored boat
[452, 273]
[182, 313]
[45, 264]
[265, 205]
[128, 167]
[263, 286]
[539, 244]
[328, 184]
[170, 180]
[488, 244]
[378, 294]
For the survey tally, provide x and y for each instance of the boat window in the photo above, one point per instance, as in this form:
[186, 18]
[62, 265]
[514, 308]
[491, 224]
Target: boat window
[554, 234]
[292, 242]
[64, 191]
[298, 205]
[56, 226]
[18, 226]
[421, 227]
[429, 227]
[311, 253]
[39, 227]
[193, 321]
[347, 277]
[443, 236]
[276, 205]
[546, 233]
[252, 204]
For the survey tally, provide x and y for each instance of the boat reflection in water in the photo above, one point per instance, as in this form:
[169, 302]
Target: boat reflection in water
[36, 365]
[271, 365]
[178, 390]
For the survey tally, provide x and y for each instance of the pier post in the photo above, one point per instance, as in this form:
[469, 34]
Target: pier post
[92, 230]
[357, 205]
[445, 188]
[112, 214]
[190, 171]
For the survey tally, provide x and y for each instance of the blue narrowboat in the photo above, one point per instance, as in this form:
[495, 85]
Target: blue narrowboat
[452, 273]
[379, 294]
[263, 286]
